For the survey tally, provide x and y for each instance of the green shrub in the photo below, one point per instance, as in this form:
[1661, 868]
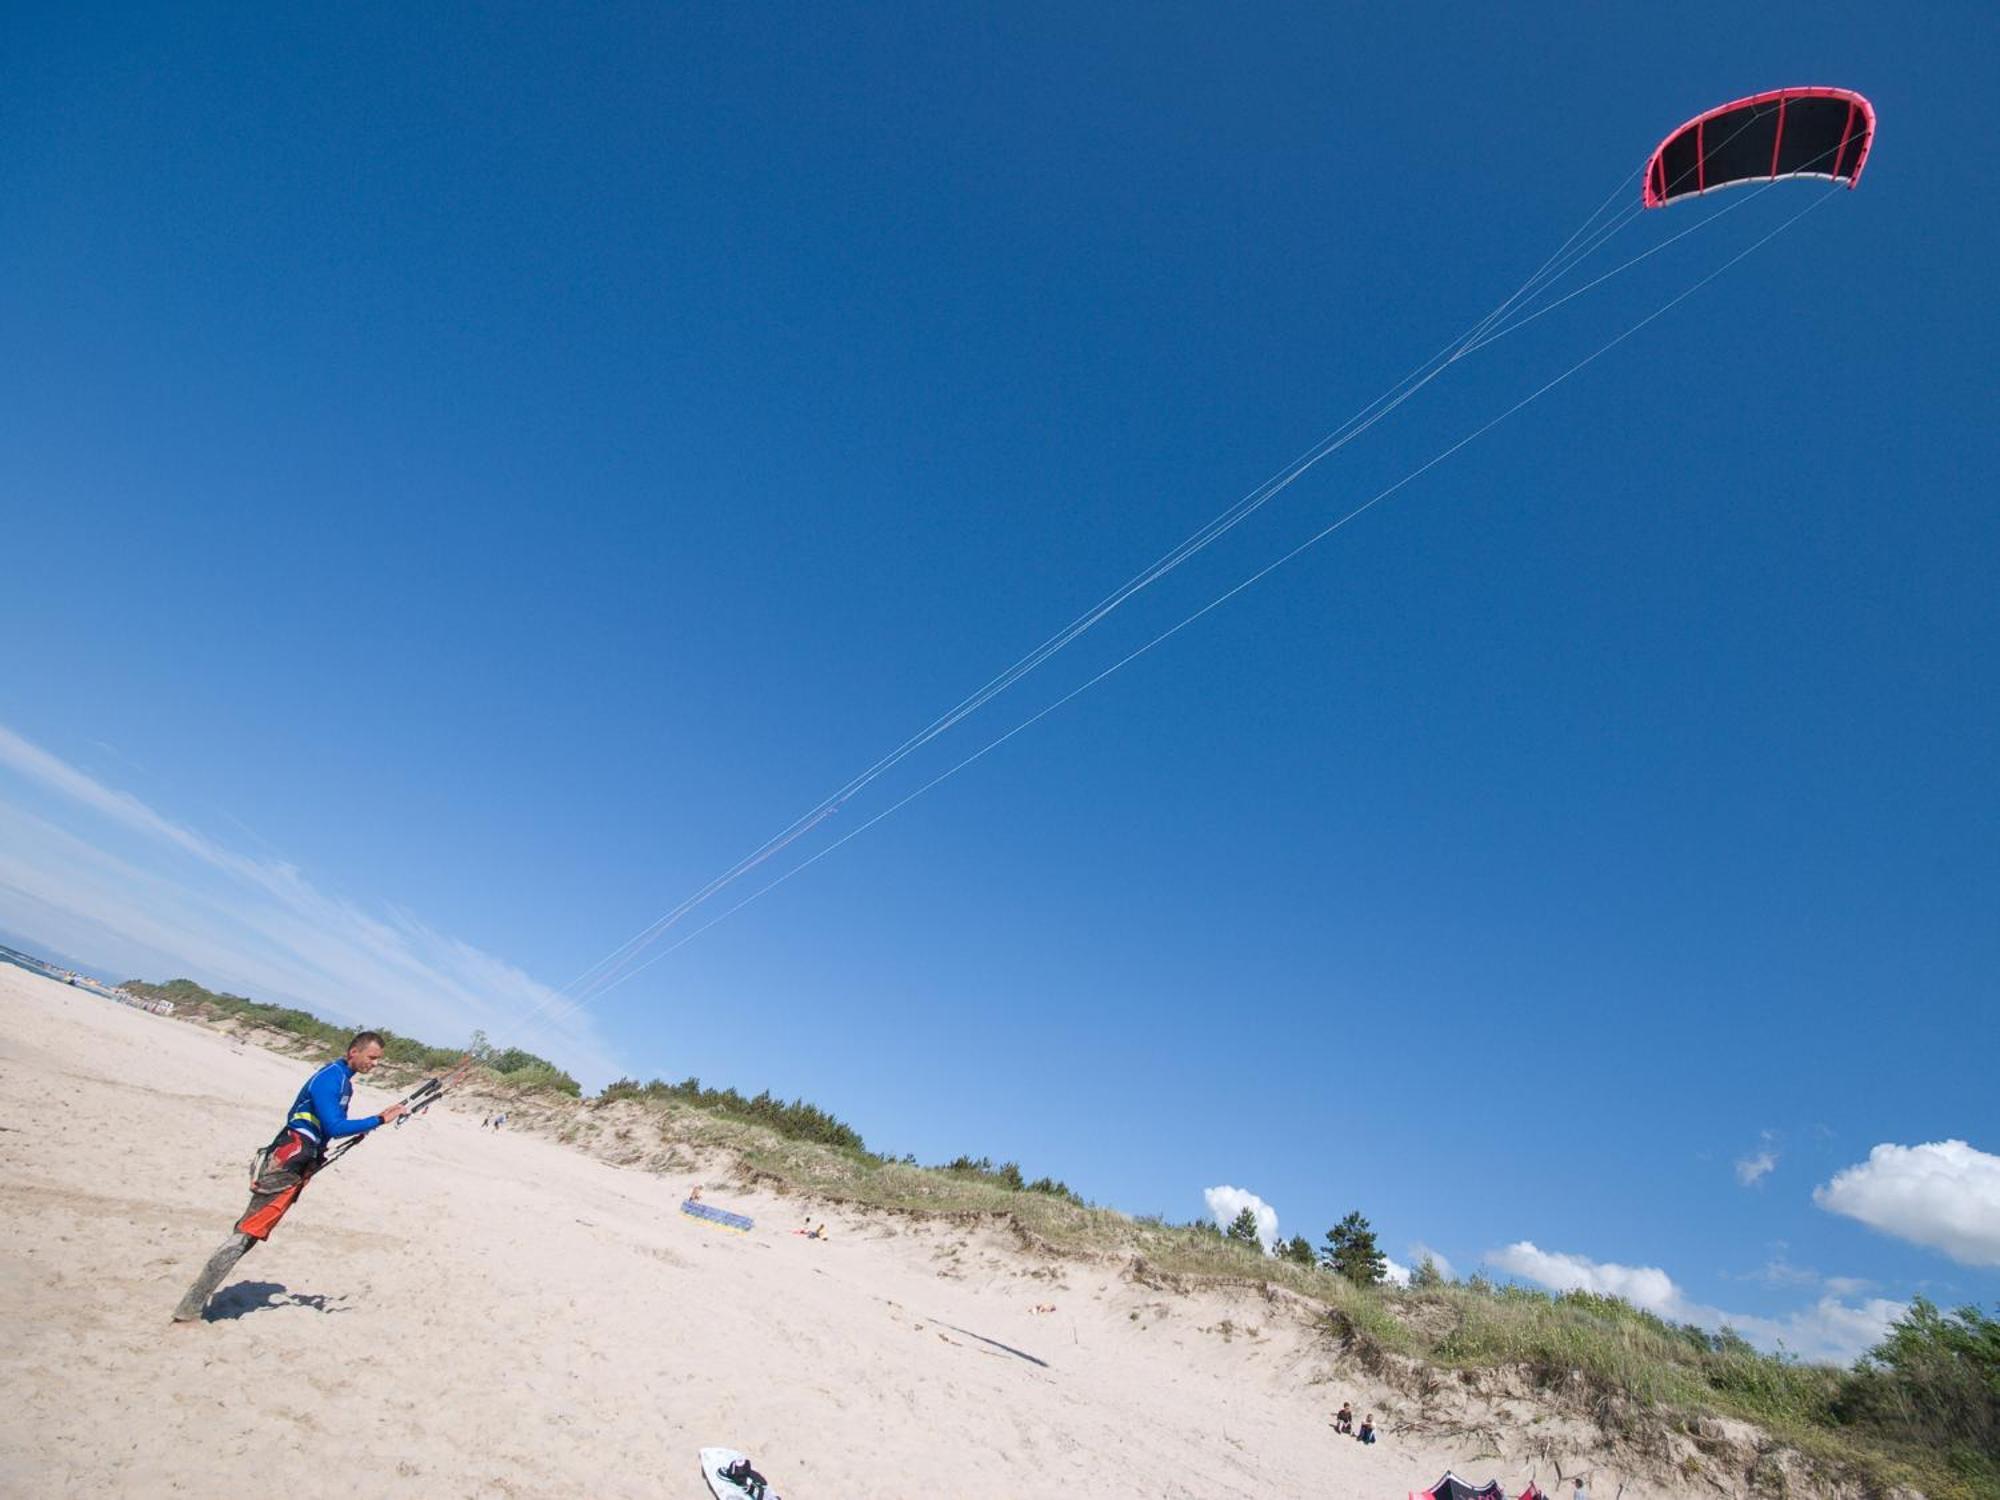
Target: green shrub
[538, 1077]
[191, 997]
[1052, 1187]
[798, 1120]
[1922, 1410]
[521, 1068]
[1933, 1383]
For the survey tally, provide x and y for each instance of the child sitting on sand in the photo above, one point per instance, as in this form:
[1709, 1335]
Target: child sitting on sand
[1367, 1432]
[1343, 1420]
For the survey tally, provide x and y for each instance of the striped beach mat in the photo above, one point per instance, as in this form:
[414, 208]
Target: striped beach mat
[721, 1218]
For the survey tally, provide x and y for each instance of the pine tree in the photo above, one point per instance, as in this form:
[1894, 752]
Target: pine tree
[1426, 1274]
[1298, 1250]
[1351, 1252]
[1243, 1230]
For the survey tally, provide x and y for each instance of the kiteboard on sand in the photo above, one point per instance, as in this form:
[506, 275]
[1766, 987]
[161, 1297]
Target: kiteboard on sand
[713, 1462]
[720, 1218]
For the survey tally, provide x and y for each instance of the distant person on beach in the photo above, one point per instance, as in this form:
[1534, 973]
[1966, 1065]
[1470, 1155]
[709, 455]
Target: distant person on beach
[1343, 1420]
[740, 1473]
[318, 1115]
[1581, 1492]
[1367, 1432]
[498, 1121]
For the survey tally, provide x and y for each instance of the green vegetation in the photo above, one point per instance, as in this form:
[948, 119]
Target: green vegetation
[1636, 1375]
[1299, 1251]
[1008, 1175]
[522, 1071]
[1351, 1251]
[1922, 1410]
[796, 1121]
[1934, 1385]
[525, 1072]
[188, 996]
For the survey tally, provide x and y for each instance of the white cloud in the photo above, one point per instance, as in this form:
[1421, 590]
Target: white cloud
[1420, 1252]
[1759, 1164]
[1642, 1286]
[97, 874]
[1944, 1195]
[1829, 1329]
[1225, 1203]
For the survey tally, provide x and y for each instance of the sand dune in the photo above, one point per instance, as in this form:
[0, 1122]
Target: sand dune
[453, 1312]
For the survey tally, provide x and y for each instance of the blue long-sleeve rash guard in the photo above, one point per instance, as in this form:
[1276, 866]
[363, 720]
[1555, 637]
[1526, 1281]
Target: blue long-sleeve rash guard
[320, 1111]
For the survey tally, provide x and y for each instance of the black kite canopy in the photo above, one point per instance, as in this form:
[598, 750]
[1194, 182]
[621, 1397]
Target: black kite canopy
[1809, 132]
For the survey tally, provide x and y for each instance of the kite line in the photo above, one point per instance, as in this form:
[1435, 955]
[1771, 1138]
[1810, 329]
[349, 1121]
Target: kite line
[630, 959]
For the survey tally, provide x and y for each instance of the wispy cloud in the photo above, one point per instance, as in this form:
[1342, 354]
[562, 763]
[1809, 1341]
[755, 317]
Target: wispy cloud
[103, 876]
[1779, 1271]
[1225, 1203]
[1759, 1164]
[1944, 1195]
[1828, 1329]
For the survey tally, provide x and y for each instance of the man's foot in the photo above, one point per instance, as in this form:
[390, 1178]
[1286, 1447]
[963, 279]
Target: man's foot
[219, 1265]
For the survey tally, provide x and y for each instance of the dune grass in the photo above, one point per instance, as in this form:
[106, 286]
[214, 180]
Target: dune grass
[1637, 1375]
[312, 1037]
[1922, 1413]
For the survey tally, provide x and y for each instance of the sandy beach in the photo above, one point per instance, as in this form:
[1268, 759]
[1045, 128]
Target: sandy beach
[460, 1312]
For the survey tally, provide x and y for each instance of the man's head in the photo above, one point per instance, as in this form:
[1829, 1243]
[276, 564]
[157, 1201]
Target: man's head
[364, 1051]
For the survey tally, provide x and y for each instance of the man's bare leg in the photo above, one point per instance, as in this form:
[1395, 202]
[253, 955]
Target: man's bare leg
[219, 1265]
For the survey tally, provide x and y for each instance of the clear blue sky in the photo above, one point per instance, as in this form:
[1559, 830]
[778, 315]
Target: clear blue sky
[467, 478]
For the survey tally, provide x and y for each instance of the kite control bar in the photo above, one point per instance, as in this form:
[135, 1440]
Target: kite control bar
[419, 1099]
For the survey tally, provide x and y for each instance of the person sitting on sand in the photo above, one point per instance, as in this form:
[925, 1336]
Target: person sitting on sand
[1367, 1432]
[318, 1115]
[1343, 1420]
[740, 1473]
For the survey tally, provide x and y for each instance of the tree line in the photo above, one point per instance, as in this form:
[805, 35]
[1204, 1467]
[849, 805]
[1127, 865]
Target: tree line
[1350, 1250]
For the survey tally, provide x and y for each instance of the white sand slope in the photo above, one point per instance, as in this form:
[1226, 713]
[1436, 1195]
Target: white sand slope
[452, 1312]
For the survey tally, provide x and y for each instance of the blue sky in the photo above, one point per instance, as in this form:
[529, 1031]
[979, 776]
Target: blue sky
[467, 479]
